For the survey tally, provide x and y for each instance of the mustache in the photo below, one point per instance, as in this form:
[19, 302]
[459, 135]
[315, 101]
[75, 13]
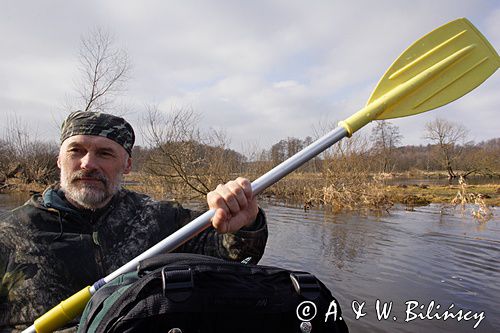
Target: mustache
[89, 174]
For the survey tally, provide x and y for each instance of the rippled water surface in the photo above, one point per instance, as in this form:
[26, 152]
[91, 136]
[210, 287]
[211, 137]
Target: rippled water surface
[11, 200]
[426, 255]
[430, 254]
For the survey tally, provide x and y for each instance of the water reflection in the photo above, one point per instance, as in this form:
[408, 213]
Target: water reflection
[12, 200]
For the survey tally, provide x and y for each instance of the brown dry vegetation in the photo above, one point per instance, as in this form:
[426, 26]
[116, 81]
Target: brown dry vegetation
[313, 190]
[425, 194]
[183, 163]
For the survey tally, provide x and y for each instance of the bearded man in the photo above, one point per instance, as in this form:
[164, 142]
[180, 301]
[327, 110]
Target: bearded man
[87, 226]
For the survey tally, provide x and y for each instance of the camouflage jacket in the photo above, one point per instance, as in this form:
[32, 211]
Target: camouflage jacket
[49, 249]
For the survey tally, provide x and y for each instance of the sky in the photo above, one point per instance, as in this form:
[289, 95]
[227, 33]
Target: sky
[260, 71]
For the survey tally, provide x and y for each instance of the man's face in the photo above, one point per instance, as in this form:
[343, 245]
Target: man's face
[92, 169]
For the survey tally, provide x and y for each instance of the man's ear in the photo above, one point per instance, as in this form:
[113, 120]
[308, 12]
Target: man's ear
[128, 165]
[59, 161]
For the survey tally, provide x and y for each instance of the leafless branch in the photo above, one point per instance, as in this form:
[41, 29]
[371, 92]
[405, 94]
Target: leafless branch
[182, 153]
[104, 68]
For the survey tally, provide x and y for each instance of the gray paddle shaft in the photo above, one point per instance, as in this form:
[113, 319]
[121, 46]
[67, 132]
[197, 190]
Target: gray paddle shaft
[203, 221]
[260, 184]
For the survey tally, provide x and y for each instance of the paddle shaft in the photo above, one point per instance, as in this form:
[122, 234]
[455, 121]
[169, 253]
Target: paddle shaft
[260, 184]
[349, 126]
[440, 67]
[203, 221]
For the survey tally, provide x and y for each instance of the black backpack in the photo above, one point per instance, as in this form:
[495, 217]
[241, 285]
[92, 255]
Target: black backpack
[188, 293]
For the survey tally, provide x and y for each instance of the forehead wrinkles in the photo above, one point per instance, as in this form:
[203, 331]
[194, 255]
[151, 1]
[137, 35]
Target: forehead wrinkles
[92, 143]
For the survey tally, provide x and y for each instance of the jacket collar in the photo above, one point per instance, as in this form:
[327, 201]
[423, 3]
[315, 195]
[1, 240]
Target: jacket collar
[53, 198]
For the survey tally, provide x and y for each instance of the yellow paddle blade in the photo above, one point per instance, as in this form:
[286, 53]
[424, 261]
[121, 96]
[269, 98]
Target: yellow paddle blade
[463, 59]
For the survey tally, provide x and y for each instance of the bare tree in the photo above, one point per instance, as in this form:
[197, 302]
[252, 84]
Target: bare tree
[385, 137]
[348, 185]
[5, 161]
[186, 159]
[278, 152]
[26, 158]
[285, 149]
[447, 136]
[104, 69]
[482, 158]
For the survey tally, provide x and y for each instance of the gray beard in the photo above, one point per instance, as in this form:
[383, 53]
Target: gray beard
[88, 196]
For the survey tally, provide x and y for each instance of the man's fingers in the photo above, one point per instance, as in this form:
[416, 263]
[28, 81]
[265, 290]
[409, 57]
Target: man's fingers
[239, 193]
[220, 221]
[234, 204]
[224, 223]
[246, 186]
[233, 195]
[229, 198]
[215, 200]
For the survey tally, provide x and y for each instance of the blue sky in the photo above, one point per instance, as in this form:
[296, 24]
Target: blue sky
[260, 70]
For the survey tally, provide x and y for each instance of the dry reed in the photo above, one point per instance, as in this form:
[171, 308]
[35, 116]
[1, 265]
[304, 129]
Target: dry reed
[480, 210]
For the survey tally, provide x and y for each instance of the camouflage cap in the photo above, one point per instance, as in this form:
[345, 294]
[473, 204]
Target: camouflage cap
[100, 124]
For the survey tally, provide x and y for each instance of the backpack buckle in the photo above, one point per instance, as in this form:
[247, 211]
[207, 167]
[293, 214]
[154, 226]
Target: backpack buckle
[177, 283]
[306, 285]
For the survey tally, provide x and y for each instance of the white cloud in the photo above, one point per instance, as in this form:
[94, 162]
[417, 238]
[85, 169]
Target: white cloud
[262, 70]
[286, 84]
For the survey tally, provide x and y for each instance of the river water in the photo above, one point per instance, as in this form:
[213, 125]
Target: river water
[430, 254]
[439, 257]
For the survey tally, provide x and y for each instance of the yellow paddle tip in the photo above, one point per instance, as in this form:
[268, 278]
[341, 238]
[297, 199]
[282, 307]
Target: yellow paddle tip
[63, 313]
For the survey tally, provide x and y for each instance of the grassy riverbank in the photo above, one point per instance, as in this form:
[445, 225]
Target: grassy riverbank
[304, 187]
[424, 194]
[309, 188]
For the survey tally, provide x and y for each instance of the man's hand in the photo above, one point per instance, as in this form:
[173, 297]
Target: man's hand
[234, 204]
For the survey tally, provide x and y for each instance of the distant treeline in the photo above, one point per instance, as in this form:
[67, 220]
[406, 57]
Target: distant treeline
[481, 158]
[179, 158]
[35, 161]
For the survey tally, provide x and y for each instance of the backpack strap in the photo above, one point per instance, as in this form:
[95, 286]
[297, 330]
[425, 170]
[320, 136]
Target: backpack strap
[96, 303]
[172, 259]
[177, 283]
[306, 285]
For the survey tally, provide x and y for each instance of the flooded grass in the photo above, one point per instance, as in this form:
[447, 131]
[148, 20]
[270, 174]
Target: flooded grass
[314, 189]
[15, 185]
[339, 191]
[425, 194]
[464, 196]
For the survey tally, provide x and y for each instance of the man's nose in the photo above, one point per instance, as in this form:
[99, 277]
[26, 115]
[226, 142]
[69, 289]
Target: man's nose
[88, 162]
